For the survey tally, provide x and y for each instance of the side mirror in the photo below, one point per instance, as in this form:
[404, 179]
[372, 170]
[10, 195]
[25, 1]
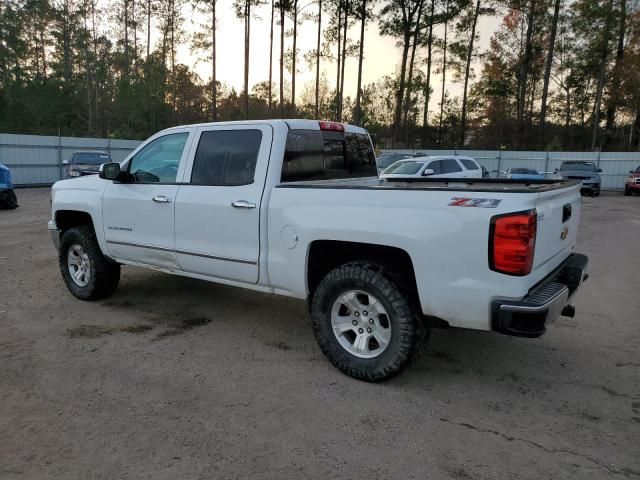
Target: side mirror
[555, 170]
[631, 171]
[599, 170]
[65, 162]
[109, 171]
[427, 172]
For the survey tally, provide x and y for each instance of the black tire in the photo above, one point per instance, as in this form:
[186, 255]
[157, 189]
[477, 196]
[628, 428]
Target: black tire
[408, 330]
[104, 274]
[627, 192]
[596, 193]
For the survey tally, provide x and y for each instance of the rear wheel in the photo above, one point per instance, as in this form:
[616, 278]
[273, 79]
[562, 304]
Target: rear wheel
[364, 323]
[88, 274]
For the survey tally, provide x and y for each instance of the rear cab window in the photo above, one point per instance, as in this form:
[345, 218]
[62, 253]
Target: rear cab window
[327, 155]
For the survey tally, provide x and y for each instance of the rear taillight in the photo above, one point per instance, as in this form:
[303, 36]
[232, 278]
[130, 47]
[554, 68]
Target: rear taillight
[512, 241]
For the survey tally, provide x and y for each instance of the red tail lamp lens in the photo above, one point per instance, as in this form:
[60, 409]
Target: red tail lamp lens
[512, 242]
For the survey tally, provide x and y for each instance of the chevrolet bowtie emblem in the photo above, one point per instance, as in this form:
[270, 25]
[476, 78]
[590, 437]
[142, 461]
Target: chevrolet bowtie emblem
[564, 233]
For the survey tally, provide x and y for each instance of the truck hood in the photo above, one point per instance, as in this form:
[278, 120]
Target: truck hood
[87, 182]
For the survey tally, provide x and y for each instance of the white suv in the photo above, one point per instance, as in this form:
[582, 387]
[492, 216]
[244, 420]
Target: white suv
[440, 166]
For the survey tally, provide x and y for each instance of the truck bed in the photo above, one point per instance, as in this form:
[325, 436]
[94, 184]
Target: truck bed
[438, 184]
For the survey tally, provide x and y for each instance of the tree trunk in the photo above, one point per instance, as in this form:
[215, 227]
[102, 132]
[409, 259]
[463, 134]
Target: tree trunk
[214, 79]
[407, 100]
[148, 28]
[358, 112]
[467, 72]
[427, 88]
[344, 58]
[397, 117]
[173, 62]
[547, 68]
[339, 31]
[444, 72]
[524, 72]
[273, 3]
[318, 60]
[601, 77]
[611, 109]
[247, 41]
[293, 67]
[281, 60]
[126, 39]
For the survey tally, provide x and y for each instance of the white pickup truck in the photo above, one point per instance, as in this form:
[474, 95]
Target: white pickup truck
[286, 207]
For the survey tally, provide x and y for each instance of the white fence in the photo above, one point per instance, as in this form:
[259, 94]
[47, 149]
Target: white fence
[615, 165]
[37, 160]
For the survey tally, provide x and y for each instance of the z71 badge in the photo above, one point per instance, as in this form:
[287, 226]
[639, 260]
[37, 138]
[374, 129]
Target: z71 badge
[474, 202]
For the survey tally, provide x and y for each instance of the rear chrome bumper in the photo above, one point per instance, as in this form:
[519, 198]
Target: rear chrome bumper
[529, 316]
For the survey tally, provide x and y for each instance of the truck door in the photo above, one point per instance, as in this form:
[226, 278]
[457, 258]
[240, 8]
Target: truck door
[218, 205]
[138, 214]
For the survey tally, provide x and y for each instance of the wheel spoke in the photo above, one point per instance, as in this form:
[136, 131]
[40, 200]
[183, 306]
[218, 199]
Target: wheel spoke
[361, 343]
[342, 324]
[350, 300]
[74, 259]
[382, 336]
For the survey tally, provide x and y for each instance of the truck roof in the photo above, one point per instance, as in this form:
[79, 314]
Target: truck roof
[295, 123]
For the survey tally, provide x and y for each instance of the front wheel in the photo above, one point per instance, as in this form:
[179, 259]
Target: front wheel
[627, 192]
[88, 274]
[365, 324]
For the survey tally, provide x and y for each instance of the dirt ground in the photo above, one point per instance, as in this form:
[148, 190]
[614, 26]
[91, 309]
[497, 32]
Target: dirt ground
[173, 378]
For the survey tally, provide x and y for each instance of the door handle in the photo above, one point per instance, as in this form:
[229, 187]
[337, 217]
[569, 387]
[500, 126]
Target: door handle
[161, 199]
[243, 204]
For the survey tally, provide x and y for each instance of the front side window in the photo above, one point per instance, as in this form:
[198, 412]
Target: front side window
[436, 166]
[158, 161]
[226, 157]
[450, 166]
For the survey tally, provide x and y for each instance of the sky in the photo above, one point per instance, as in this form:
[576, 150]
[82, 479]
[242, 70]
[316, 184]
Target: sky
[382, 56]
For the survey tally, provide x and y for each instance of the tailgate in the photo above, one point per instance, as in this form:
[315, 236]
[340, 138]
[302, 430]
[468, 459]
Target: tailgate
[558, 218]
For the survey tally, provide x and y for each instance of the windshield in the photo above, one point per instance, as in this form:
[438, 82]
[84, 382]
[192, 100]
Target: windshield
[524, 171]
[387, 159]
[90, 158]
[577, 167]
[405, 168]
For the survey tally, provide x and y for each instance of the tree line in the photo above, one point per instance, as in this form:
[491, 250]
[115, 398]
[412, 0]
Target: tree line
[557, 74]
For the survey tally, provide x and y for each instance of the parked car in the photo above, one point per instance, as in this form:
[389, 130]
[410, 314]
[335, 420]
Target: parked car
[277, 206]
[632, 183]
[8, 199]
[441, 166]
[85, 163]
[586, 172]
[520, 173]
[386, 159]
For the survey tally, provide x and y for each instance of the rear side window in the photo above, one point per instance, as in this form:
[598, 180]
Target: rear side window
[450, 166]
[468, 164]
[326, 155]
[226, 157]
